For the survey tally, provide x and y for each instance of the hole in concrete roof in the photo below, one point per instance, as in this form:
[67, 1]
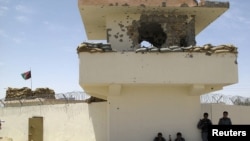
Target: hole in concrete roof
[183, 41]
[153, 33]
[163, 4]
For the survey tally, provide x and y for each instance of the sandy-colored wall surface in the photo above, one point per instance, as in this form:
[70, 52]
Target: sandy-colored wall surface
[87, 122]
[141, 112]
[238, 114]
[62, 122]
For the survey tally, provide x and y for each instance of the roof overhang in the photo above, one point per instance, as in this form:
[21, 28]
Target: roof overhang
[94, 14]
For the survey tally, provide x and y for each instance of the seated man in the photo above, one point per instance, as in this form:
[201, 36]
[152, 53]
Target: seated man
[159, 137]
[179, 137]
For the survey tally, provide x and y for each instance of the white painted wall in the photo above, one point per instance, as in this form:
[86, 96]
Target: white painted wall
[117, 25]
[149, 93]
[88, 122]
[238, 114]
[140, 112]
[157, 68]
[63, 122]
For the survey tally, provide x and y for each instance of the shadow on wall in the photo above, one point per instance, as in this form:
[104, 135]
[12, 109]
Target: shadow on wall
[98, 115]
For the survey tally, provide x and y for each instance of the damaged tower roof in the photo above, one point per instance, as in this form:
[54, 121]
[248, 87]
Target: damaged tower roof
[94, 13]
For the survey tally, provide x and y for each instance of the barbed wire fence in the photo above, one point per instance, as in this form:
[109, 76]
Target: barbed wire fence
[77, 96]
[72, 97]
[225, 99]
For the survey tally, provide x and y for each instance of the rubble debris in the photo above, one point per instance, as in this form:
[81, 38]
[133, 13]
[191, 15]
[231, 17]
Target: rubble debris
[27, 93]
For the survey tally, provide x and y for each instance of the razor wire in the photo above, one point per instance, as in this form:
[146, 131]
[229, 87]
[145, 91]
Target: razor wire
[225, 99]
[77, 96]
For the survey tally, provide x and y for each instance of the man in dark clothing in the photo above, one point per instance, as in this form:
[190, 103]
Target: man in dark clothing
[159, 137]
[225, 120]
[203, 124]
[179, 137]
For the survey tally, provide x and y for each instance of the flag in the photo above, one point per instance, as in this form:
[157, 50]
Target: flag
[26, 75]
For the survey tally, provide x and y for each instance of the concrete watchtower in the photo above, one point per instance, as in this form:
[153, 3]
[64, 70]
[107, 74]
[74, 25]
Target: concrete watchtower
[154, 89]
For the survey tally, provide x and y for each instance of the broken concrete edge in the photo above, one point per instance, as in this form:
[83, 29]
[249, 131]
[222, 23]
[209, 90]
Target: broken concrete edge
[94, 99]
[135, 3]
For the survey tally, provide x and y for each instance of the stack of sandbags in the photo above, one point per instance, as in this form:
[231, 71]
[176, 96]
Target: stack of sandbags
[94, 47]
[207, 48]
[210, 49]
[44, 93]
[27, 93]
[18, 93]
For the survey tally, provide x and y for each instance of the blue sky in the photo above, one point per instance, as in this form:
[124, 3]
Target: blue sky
[43, 36]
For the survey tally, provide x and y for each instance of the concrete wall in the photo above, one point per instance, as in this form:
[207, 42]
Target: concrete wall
[180, 68]
[238, 114]
[75, 122]
[62, 122]
[140, 112]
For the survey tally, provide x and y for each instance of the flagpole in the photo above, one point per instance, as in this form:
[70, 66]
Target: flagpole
[30, 80]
